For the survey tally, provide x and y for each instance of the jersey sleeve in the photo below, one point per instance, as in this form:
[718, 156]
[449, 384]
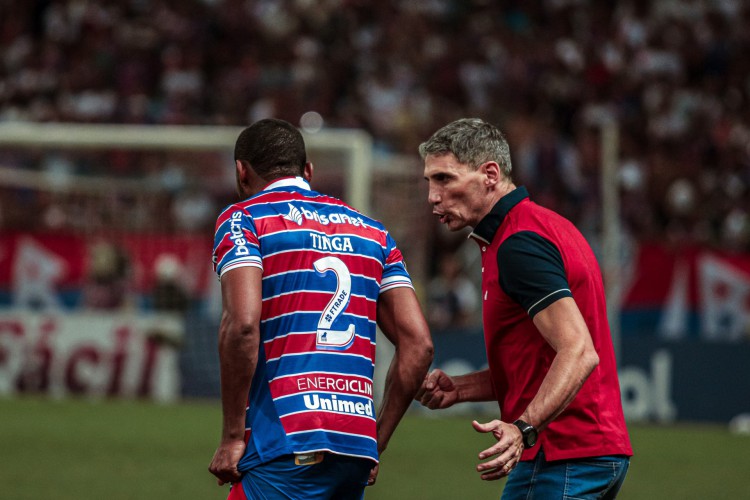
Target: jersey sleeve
[532, 271]
[394, 271]
[236, 241]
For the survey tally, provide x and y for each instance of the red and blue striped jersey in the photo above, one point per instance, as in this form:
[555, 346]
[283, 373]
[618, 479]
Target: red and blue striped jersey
[324, 265]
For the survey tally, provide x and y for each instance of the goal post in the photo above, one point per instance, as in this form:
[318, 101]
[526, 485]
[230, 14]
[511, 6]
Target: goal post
[611, 228]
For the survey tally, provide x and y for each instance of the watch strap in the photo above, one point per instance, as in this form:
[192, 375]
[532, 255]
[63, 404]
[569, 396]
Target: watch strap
[528, 432]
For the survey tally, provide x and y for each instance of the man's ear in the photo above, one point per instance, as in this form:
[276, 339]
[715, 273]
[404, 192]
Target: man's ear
[243, 179]
[308, 171]
[492, 173]
[248, 182]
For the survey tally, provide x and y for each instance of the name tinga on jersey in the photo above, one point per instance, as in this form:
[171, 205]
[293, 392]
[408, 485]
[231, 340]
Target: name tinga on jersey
[338, 243]
[316, 402]
[237, 235]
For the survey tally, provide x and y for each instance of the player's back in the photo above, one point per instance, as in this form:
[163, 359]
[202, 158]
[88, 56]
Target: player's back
[324, 265]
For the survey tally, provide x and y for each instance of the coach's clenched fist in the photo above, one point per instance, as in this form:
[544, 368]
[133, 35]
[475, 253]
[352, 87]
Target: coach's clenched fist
[438, 391]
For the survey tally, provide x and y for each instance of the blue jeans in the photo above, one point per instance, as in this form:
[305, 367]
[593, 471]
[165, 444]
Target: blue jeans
[577, 479]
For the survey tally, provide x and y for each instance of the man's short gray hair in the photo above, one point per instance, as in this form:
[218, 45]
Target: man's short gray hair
[472, 141]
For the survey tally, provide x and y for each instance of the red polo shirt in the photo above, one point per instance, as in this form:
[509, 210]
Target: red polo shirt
[532, 257]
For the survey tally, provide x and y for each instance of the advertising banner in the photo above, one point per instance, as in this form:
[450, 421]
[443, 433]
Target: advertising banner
[90, 354]
[688, 293]
[58, 271]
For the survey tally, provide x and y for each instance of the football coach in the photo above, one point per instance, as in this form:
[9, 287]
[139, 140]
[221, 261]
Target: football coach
[552, 370]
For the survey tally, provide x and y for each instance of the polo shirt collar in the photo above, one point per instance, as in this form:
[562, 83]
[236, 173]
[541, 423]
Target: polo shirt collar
[488, 226]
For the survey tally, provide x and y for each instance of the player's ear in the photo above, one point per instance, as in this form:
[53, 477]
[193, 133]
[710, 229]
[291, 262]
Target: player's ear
[247, 180]
[307, 173]
[242, 173]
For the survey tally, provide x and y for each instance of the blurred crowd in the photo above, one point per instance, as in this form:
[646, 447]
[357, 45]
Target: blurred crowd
[674, 74]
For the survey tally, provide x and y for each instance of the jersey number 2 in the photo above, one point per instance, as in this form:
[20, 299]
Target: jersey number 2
[327, 338]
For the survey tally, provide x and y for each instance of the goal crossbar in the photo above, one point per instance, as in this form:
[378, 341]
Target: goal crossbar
[357, 144]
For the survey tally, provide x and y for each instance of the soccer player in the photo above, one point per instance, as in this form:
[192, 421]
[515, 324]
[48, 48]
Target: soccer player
[304, 280]
[550, 355]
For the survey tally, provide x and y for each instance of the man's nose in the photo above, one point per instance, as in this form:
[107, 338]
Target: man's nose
[433, 197]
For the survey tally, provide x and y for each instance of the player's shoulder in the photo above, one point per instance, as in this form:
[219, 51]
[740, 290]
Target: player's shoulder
[229, 212]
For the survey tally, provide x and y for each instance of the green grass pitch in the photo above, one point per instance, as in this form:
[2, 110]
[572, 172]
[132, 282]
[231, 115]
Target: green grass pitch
[133, 450]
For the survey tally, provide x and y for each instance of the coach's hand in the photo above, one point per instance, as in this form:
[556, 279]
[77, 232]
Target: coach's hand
[224, 463]
[506, 452]
[438, 391]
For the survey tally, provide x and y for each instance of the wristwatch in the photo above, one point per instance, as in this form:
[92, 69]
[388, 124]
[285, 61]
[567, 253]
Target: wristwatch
[529, 433]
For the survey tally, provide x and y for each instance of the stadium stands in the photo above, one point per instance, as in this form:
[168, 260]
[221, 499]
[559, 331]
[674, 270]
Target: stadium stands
[673, 73]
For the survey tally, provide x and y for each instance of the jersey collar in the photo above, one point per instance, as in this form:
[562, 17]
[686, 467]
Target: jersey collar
[490, 223]
[298, 182]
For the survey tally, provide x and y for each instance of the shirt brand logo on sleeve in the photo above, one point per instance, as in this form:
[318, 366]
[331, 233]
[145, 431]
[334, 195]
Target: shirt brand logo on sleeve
[237, 235]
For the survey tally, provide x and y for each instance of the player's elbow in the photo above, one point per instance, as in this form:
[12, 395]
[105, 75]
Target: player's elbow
[428, 352]
[245, 330]
[235, 328]
[417, 351]
[425, 352]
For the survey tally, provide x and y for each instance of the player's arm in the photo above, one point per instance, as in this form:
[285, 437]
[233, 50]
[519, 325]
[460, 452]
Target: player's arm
[400, 318]
[239, 339]
[563, 327]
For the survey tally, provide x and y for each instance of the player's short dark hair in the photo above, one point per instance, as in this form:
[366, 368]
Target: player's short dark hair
[273, 148]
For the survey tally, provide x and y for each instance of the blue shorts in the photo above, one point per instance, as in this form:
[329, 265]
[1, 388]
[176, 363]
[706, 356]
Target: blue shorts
[579, 479]
[336, 476]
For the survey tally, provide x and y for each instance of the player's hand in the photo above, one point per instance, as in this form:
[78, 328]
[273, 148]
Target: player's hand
[438, 391]
[373, 475]
[224, 463]
[503, 455]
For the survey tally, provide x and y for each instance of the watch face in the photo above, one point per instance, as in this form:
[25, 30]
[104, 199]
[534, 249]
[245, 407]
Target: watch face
[531, 436]
[529, 432]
